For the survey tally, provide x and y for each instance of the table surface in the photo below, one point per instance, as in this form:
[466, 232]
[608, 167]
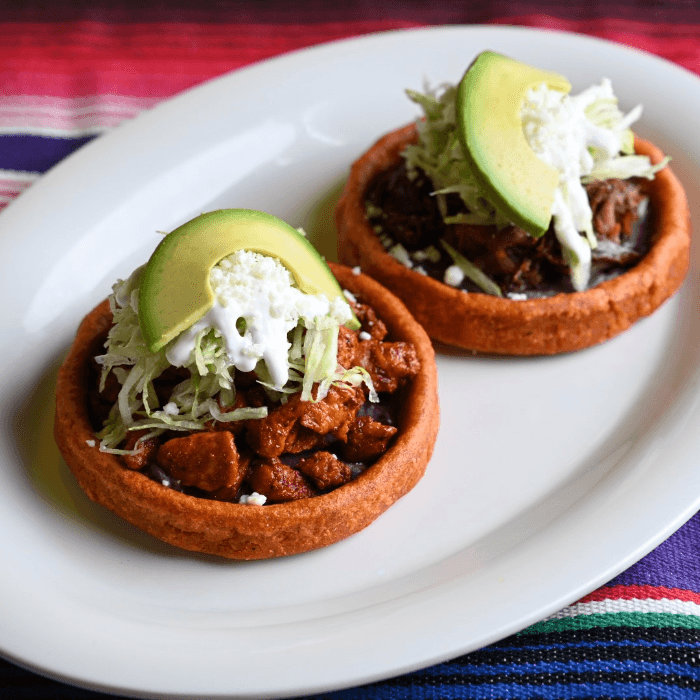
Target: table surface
[75, 70]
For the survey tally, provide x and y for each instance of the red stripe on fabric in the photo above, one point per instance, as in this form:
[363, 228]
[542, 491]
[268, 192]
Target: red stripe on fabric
[640, 593]
[86, 40]
[155, 59]
[600, 24]
[678, 43]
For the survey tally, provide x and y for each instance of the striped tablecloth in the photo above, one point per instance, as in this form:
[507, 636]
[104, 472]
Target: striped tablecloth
[71, 72]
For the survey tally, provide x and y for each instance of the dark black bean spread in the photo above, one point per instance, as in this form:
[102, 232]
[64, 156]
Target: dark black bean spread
[403, 210]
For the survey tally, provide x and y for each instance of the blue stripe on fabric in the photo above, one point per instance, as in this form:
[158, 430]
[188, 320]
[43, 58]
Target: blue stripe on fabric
[36, 154]
[531, 667]
[644, 689]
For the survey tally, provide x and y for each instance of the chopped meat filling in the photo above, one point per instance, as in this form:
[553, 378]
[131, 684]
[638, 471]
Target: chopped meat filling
[279, 482]
[280, 431]
[367, 439]
[614, 204]
[371, 323]
[325, 470]
[388, 364]
[406, 211]
[300, 449]
[208, 461]
[145, 451]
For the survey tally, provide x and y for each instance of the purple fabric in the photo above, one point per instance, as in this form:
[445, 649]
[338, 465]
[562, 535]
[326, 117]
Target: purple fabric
[675, 563]
[36, 154]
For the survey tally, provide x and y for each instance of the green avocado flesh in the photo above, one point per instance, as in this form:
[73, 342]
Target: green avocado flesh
[512, 177]
[174, 290]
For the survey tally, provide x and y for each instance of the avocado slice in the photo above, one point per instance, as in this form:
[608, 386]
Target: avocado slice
[489, 100]
[174, 290]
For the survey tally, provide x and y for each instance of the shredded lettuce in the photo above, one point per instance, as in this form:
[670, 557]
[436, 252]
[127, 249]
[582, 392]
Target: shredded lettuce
[438, 152]
[321, 352]
[626, 167]
[600, 107]
[472, 272]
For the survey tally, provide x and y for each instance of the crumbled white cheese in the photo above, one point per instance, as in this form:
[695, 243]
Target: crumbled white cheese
[255, 499]
[90, 443]
[364, 335]
[556, 129]
[372, 210]
[559, 131]
[515, 296]
[349, 295]
[454, 276]
[356, 270]
[398, 252]
[171, 409]
[385, 240]
[259, 290]
[431, 254]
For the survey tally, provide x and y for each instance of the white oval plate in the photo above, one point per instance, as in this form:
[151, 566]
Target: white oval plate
[550, 475]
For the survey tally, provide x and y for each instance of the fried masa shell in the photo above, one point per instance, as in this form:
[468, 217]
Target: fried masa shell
[490, 324]
[245, 531]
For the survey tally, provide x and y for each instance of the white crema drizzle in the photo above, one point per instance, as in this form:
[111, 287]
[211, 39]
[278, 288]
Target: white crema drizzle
[259, 290]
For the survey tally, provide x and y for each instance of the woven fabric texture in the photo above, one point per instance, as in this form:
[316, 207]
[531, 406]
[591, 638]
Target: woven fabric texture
[76, 71]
